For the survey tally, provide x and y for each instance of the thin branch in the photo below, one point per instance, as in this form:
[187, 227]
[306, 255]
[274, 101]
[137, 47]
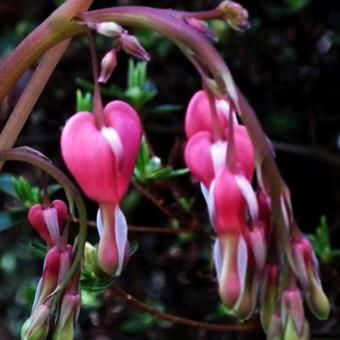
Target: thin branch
[309, 151]
[250, 327]
[144, 229]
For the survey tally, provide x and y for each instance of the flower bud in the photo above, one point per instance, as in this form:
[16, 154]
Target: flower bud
[308, 275]
[269, 294]
[49, 221]
[132, 46]
[109, 29]
[292, 314]
[69, 311]
[36, 327]
[68, 315]
[234, 14]
[108, 64]
[275, 327]
[56, 265]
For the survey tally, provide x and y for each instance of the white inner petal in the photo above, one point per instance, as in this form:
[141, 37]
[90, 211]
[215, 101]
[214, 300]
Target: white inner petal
[99, 223]
[50, 217]
[112, 137]
[249, 195]
[285, 213]
[224, 107]
[211, 204]
[205, 192]
[218, 259]
[121, 231]
[218, 153]
[242, 263]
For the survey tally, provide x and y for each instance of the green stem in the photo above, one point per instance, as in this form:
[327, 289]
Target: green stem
[28, 155]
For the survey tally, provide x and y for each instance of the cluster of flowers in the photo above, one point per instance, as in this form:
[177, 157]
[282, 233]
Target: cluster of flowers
[224, 164]
[50, 222]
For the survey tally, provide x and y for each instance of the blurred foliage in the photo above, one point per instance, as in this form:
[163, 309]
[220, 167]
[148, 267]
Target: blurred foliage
[322, 243]
[150, 168]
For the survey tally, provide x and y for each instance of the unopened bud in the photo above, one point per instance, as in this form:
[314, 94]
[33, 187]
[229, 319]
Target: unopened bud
[37, 326]
[108, 64]
[49, 221]
[131, 45]
[269, 295]
[292, 313]
[234, 14]
[109, 29]
[275, 328]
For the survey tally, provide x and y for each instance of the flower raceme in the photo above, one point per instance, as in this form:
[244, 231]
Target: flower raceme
[220, 154]
[231, 201]
[102, 159]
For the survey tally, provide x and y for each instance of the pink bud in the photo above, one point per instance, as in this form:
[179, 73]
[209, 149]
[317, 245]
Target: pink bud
[308, 274]
[56, 265]
[49, 221]
[131, 45]
[202, 27]
[37, 326]
[292, 310]
[102, 160]
[108, 64]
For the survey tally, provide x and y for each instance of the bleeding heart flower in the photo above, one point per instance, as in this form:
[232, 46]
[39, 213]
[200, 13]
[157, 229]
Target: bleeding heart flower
[307, 268]
[102, 160]
[49, 221]
[204, 156]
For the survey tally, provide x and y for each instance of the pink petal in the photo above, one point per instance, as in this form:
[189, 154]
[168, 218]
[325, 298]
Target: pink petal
[198, 158]
[89, 158]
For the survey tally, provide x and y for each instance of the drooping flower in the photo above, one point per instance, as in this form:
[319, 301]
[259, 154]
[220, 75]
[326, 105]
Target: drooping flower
[49, 221]
[69, 311]
[102, 159]
[308, 275]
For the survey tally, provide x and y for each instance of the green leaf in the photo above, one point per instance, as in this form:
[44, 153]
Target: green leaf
[83, 101]
[165, 109]
[38, 248]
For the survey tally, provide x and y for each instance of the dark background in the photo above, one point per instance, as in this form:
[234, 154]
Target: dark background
[287, 64]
